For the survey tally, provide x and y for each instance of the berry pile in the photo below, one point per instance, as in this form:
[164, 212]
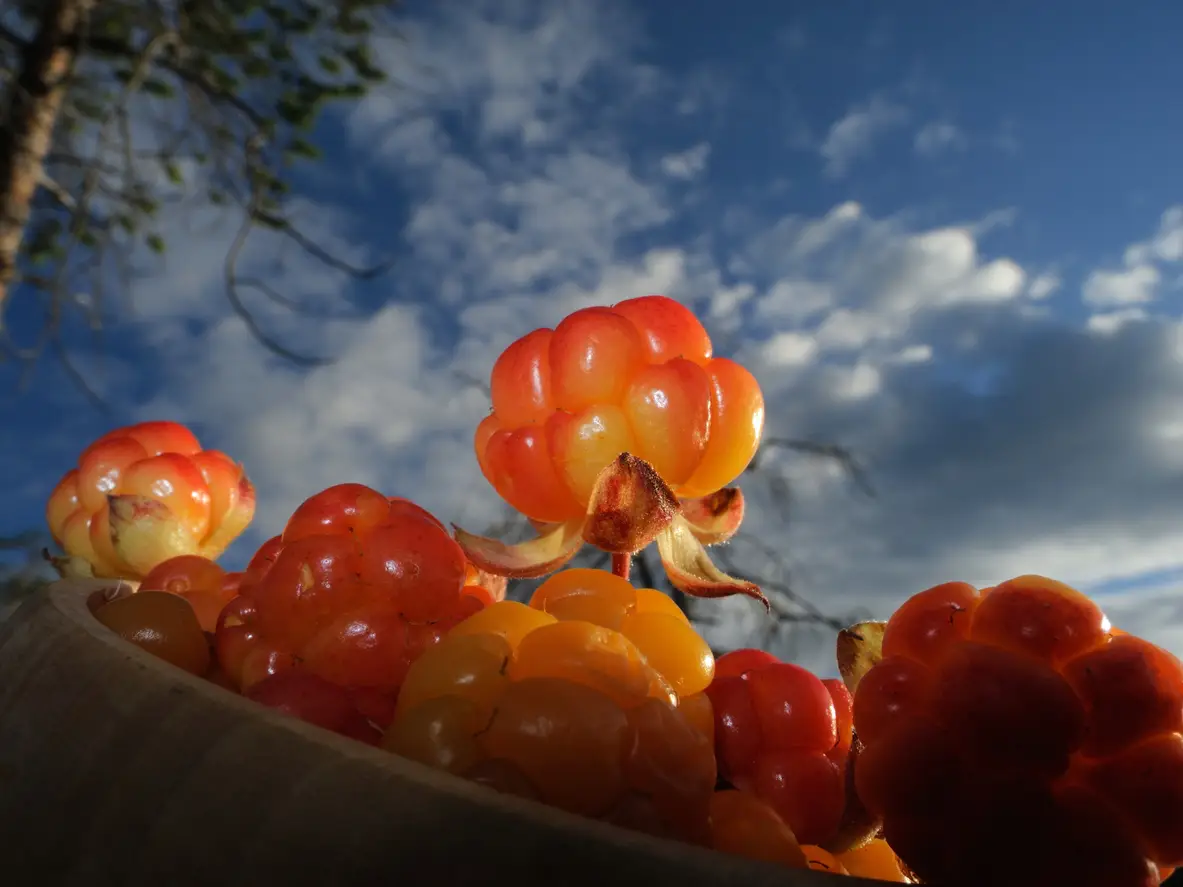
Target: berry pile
[573, 700]
[163, 624]
[143, 494]
[1016, 717]
[745, 825]
[784, 735]
[353, 590]
[637, 378]
[1007, 736]
[200, 581]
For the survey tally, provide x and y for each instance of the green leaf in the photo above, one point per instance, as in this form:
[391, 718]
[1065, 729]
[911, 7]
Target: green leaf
[352, 26]
[155, 243]
[142, 203]
[305, 149]
[293, 109]
[158, 88]
[257, 67]
[223, 81]
[88, 109]
[359, 57]
[173, 172]
[41, 241]
[275, 223]
[329, 64]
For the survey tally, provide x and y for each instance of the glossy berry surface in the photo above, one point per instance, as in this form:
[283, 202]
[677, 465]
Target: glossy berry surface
[317, 701]
[638, 377]
[355, 588]
[744, 825]
[779, 736]
[144, 493]
[571, 700]
[1017, 717]
[163, 624]
[199, 580]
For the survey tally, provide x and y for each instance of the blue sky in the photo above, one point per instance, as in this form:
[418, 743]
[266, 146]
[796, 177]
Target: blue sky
[949, 237]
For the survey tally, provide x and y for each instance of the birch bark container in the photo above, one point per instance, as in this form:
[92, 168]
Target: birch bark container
[118, 769]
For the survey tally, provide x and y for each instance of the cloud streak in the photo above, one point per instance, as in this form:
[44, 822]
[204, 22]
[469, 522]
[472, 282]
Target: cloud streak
[852, 137]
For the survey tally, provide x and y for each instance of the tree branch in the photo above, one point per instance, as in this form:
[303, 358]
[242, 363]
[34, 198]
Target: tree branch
[31, 113]
[239, 99]
[841, 455]
[59, 193]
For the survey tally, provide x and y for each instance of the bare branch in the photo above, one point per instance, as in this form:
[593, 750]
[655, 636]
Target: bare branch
[60, 194]
[278, 298]
[841, 455]
[473, 382]
[318, 252]
[230, 277]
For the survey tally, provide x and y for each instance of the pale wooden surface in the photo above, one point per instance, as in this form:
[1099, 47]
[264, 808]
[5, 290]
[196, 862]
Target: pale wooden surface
[116, 769]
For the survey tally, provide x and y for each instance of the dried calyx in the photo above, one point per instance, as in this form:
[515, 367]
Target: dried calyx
[630, 507]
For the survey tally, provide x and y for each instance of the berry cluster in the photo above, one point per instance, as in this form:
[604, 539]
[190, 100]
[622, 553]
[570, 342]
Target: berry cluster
[589, 699]
[784, 735]
[745, 825]
[1007, 736]
[353, 590]
[637, 378]
[143, 494]
[200, 581]
[1017, 717]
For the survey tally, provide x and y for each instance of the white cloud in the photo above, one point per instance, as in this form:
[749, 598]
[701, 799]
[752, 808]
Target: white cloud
[846, 330]
[789, 349]
[1165, 246]
[687, 164]
[1137, 285]
[1141, 279]
[854, 382]
[794, 300]
[1110, 322]
[937, 138]
[852, 137]
[914, 354]
[1043, 285]
[815, 236]
[727, 300]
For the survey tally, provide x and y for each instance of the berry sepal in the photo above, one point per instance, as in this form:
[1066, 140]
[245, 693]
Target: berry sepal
[858, 826]
[68, 566]
[554, 545]
[630, 507]
[690, 569]
[717, 517]
[859, 649]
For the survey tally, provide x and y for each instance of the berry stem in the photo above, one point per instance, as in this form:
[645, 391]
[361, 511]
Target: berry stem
[622, 563]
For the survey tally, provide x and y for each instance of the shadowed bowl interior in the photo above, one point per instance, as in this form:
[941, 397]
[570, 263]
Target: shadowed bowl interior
[117, 768]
